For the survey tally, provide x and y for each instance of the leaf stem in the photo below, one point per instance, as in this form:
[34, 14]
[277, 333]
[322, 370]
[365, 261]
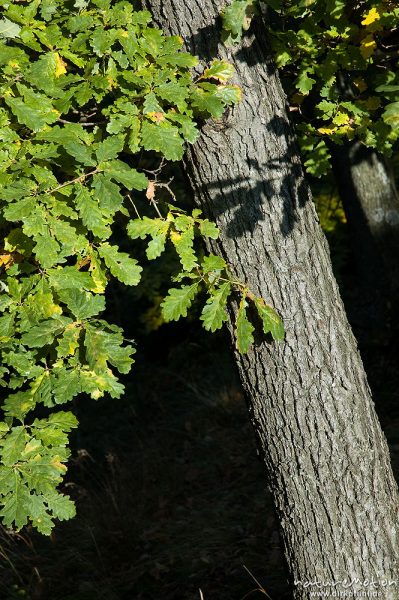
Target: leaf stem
[72, 181]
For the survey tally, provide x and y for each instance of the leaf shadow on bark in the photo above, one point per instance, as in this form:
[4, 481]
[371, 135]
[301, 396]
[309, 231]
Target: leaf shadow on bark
[249, 200]
[205, 42]
[251, 197]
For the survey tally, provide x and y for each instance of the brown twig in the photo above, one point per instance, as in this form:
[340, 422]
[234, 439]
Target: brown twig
[76, 180]
[260, 587]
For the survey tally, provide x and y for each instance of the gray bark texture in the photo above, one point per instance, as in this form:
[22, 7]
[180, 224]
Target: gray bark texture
[371, 204]
[327, 459]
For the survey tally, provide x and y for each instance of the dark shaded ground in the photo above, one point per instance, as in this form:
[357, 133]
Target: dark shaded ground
[170, 494]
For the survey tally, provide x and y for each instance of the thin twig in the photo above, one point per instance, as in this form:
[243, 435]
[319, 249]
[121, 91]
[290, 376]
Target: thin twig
[82, 123]
[150, 195]
[167, 187]
[133, 204]
[247, 595]
[155, 205]
[76, 180]
[156, 172]
[261, 588]
[152, 186]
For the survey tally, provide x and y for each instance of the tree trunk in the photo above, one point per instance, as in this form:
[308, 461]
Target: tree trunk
[371, 204]
[327, 459]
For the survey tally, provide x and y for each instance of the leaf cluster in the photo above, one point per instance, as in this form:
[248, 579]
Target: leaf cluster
[339, 64]
[209, 273]
[87, 89]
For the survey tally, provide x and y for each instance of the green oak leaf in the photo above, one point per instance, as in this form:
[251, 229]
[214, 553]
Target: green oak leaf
[121, 265]
[244, 329]
[391, 114]
[83, 305]
[272, 323]
[163, 137]
[44, 333]
[31, 108]
[91, 214]
[9, 29]
[122, 173]
[178, 301]
[220, 70]
[214, 312]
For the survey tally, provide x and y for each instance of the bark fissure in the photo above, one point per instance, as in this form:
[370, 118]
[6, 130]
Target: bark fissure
[325, 454]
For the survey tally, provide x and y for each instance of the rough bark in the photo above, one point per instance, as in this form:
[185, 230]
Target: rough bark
[327, 459]
[371, 203]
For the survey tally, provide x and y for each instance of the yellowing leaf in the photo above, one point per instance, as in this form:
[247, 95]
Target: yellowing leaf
[341, 118]
[97, 275]
[157, 117]
[220, 70]
[48, 306]
[38, 381]
[60, 65]
[370, 17]
[56, 462]
[6, 260]
[326, 130]
[175, 236]
[368, 46]
[70, 339]
[360, 84]
[346, 130]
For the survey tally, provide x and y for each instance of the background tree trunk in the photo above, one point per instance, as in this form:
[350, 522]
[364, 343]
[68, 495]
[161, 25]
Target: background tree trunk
[371, 204]
[326, 456]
